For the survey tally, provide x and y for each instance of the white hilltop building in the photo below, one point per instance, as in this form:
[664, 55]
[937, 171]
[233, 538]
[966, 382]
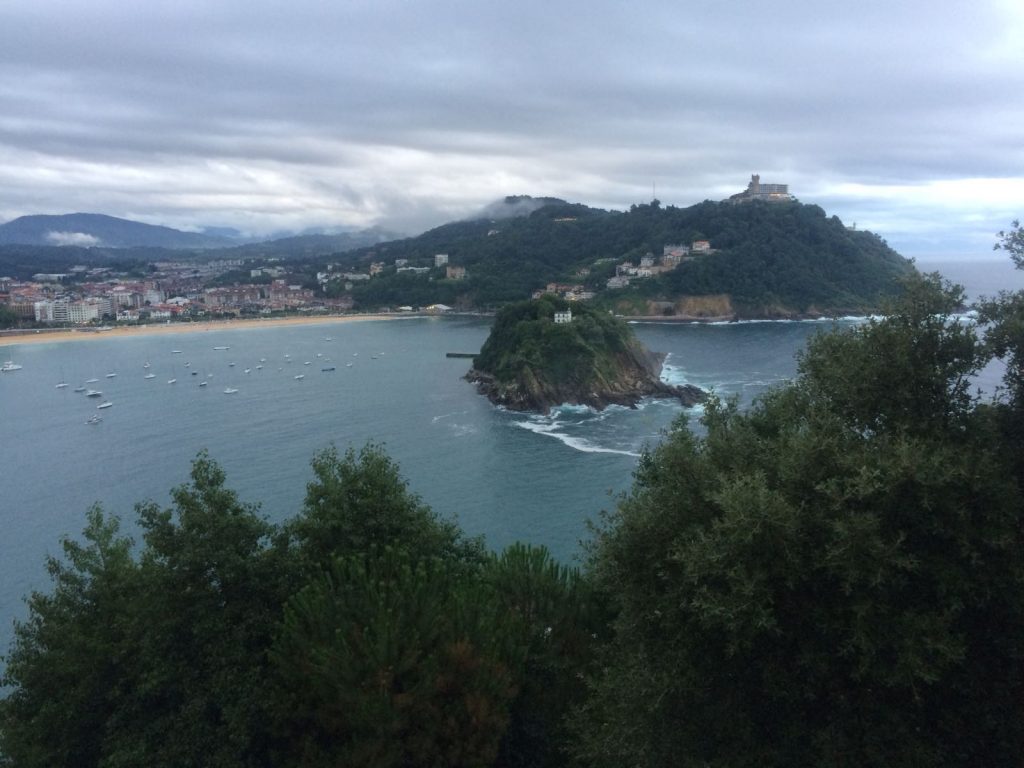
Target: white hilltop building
[772, 193]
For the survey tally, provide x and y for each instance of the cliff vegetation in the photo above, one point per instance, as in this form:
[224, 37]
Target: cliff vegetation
[531, 363]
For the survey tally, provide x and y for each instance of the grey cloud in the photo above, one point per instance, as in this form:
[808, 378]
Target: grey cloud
[72, 238]
[417, 111]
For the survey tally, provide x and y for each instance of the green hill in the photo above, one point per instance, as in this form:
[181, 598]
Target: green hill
[531, 362]
[768, 259]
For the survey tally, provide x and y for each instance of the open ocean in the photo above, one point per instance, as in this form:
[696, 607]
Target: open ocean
[507, 476]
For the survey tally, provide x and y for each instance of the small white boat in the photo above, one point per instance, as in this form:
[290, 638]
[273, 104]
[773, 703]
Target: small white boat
[203, 383]
[259, 367]
[306, 363]
[231, 365]
[348, 365]
[263, 359]
[93, 393]
[111, 375]
[94, 419]
[301, 376]
[247, 370]
[61, 385]
[171, 381]
[149, 376]
[188, 365]
[104, 405]
[10, 366]
[79, 388]
[91, 381]
[229, 390]
[221, 349]
[175, 351]
[145, 364]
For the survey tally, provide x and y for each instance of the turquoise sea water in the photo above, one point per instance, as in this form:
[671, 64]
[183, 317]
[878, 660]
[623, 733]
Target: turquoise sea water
[507, 476]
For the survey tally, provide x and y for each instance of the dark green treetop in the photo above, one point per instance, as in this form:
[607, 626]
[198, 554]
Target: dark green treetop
[525, 339]
[833, 577]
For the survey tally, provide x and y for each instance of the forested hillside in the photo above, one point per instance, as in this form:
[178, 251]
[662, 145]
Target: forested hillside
[769, 259]
[22, 261]
[531, 362]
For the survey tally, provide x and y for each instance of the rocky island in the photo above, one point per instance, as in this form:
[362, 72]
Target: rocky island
[544, 352]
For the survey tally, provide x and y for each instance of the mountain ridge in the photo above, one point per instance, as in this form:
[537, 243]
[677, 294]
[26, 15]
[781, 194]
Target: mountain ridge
[101, 230]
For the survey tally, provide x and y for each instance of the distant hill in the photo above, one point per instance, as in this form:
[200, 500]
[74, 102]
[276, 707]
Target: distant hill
[514, 206]
[309, 246]
[33, 244]
[780, 259]
[98, 230]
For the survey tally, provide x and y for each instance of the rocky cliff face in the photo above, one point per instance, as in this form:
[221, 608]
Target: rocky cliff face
[633, 374]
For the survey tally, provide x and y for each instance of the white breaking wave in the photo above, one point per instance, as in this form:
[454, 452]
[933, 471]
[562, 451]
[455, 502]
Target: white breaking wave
[577, 443]
[592, 414]
[447, 416]
[673, 374]
[570, 408]
[784, 321]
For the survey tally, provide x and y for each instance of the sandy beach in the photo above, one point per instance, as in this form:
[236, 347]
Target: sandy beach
[44, 336]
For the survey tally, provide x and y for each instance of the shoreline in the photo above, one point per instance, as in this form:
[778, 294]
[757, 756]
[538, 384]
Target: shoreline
[47, 336]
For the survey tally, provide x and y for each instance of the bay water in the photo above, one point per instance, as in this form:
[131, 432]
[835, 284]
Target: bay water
[508, 476]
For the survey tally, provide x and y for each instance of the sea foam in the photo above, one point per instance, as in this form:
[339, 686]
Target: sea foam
[548, 428]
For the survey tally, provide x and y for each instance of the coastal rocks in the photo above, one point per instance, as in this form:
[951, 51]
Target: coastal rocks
[637, 380]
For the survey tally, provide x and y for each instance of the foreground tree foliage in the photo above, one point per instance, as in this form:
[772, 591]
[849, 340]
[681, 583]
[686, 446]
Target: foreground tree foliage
[386, 661]
[359, 500]
[366, 631]
[832, 578]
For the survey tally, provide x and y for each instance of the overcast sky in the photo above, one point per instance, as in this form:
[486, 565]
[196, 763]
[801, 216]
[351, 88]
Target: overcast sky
[905, 117]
